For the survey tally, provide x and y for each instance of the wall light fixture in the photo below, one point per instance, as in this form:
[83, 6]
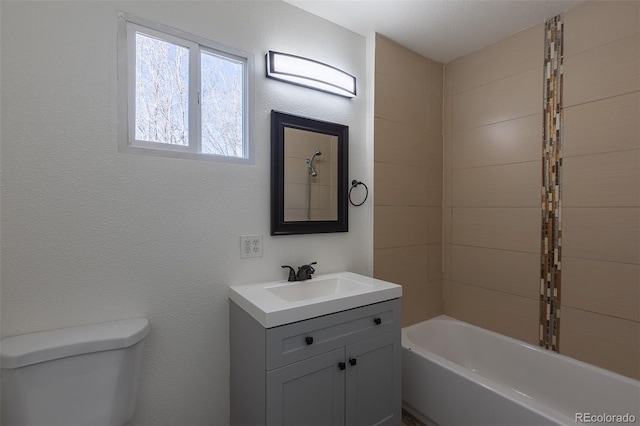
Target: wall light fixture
[309, 73]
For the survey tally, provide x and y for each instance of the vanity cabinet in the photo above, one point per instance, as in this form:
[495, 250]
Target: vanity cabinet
[337, 369]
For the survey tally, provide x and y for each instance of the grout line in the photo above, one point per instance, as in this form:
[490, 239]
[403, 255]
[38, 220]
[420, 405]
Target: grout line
[565, 305]
[537, 252]
[602, 45]
[601, 99]
[537, 160]
[600, 207]
[537, 298]
[539, 67]
[455, 130]
[600, 260]
[599, 153]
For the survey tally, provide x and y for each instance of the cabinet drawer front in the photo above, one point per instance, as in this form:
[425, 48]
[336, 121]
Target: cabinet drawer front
[294, 342]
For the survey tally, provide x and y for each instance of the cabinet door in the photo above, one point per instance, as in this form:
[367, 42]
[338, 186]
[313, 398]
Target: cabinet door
[373, 388]
[308, 392]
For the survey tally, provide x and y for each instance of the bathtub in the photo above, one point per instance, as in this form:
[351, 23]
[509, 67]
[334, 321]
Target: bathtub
[454, 373]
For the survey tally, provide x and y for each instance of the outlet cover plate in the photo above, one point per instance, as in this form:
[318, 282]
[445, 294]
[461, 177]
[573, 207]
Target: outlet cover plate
[250, 246]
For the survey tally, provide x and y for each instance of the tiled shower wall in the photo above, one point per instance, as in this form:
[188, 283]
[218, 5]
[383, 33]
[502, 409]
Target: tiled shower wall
[492, 179]
[408, 177]
[601, 203]
[493, 140]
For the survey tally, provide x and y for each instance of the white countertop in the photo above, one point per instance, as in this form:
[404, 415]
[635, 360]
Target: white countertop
[271, 310]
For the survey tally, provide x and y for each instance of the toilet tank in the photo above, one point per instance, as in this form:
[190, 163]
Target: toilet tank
[85, 375]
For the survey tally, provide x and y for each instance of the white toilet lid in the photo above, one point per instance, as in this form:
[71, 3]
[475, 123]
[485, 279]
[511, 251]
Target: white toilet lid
[32, 348]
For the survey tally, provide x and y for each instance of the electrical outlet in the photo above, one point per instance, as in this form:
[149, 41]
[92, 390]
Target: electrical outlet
[250, 246]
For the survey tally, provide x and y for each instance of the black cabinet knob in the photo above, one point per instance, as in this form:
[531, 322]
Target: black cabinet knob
[378, 321]
[353, 361]
[308, 340]
[342, 366]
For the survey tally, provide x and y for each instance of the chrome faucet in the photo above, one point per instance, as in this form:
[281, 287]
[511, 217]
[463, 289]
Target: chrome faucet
[304, 272]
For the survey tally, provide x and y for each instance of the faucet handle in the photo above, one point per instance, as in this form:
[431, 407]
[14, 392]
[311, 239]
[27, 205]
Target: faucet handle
[292, 273]
[305, 271]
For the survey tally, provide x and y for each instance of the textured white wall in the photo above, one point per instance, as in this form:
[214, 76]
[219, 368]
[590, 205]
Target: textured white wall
[91, 235]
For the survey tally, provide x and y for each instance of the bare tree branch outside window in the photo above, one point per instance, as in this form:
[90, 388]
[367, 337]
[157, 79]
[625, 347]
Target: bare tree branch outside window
[162, 97]
[162, 91]
[221, 105]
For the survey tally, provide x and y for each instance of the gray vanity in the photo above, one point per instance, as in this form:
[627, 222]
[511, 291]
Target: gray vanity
[322, 352]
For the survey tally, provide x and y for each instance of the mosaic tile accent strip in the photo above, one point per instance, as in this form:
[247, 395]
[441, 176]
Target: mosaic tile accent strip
[551, 246]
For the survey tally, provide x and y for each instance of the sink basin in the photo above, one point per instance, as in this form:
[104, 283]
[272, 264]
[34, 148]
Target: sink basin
[302, 290]
[278, 303]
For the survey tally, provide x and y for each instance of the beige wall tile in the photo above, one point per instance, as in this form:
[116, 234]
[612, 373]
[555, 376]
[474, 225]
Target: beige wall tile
[435, 225]
[434, 151]
[447, 170]
[447, 115]
[400, 143]
[507, 271]
[398, 226]
[296, 170]
[599, 22]
[420, 302]
[435, 112]
[446, 199]
[326, 168]
[302, 143]
[611, 234]
[436, 78]
[510, 56]
[511, 97]
[414, 303]
[395, 60]
[294, 215]
[609, 70]
[434, 189]
[602, 126]
[435, 262]
[509, 185]
[446, 223]
[605, 341]
[401, 100]
[323, 214]
[500, 228]
[399, 185]
[296, 196]
[446, 297]
[447, 261]
[511, 141]
[320, 195]
[408, 175]
[434, 299]
[609, 179]
[503, 313]
[407, 266]
[607, 288]
[495, 119]
[447, 79]
[401, 265]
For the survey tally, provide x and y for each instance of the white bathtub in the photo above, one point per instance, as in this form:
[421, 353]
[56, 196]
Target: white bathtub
[454, 373]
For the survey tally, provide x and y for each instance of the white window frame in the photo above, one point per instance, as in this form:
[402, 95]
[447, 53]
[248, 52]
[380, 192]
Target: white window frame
[128, 25]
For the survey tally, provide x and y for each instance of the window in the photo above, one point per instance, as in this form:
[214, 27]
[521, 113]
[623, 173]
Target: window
[181, 95]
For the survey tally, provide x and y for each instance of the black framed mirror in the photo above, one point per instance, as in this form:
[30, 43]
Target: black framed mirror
[309, 172]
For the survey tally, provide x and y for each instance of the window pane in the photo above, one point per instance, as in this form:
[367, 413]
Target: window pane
[222, 125]
[162, 91]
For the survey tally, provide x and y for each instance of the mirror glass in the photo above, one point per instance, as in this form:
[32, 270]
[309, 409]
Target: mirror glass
[310, 176]
[309, 173]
